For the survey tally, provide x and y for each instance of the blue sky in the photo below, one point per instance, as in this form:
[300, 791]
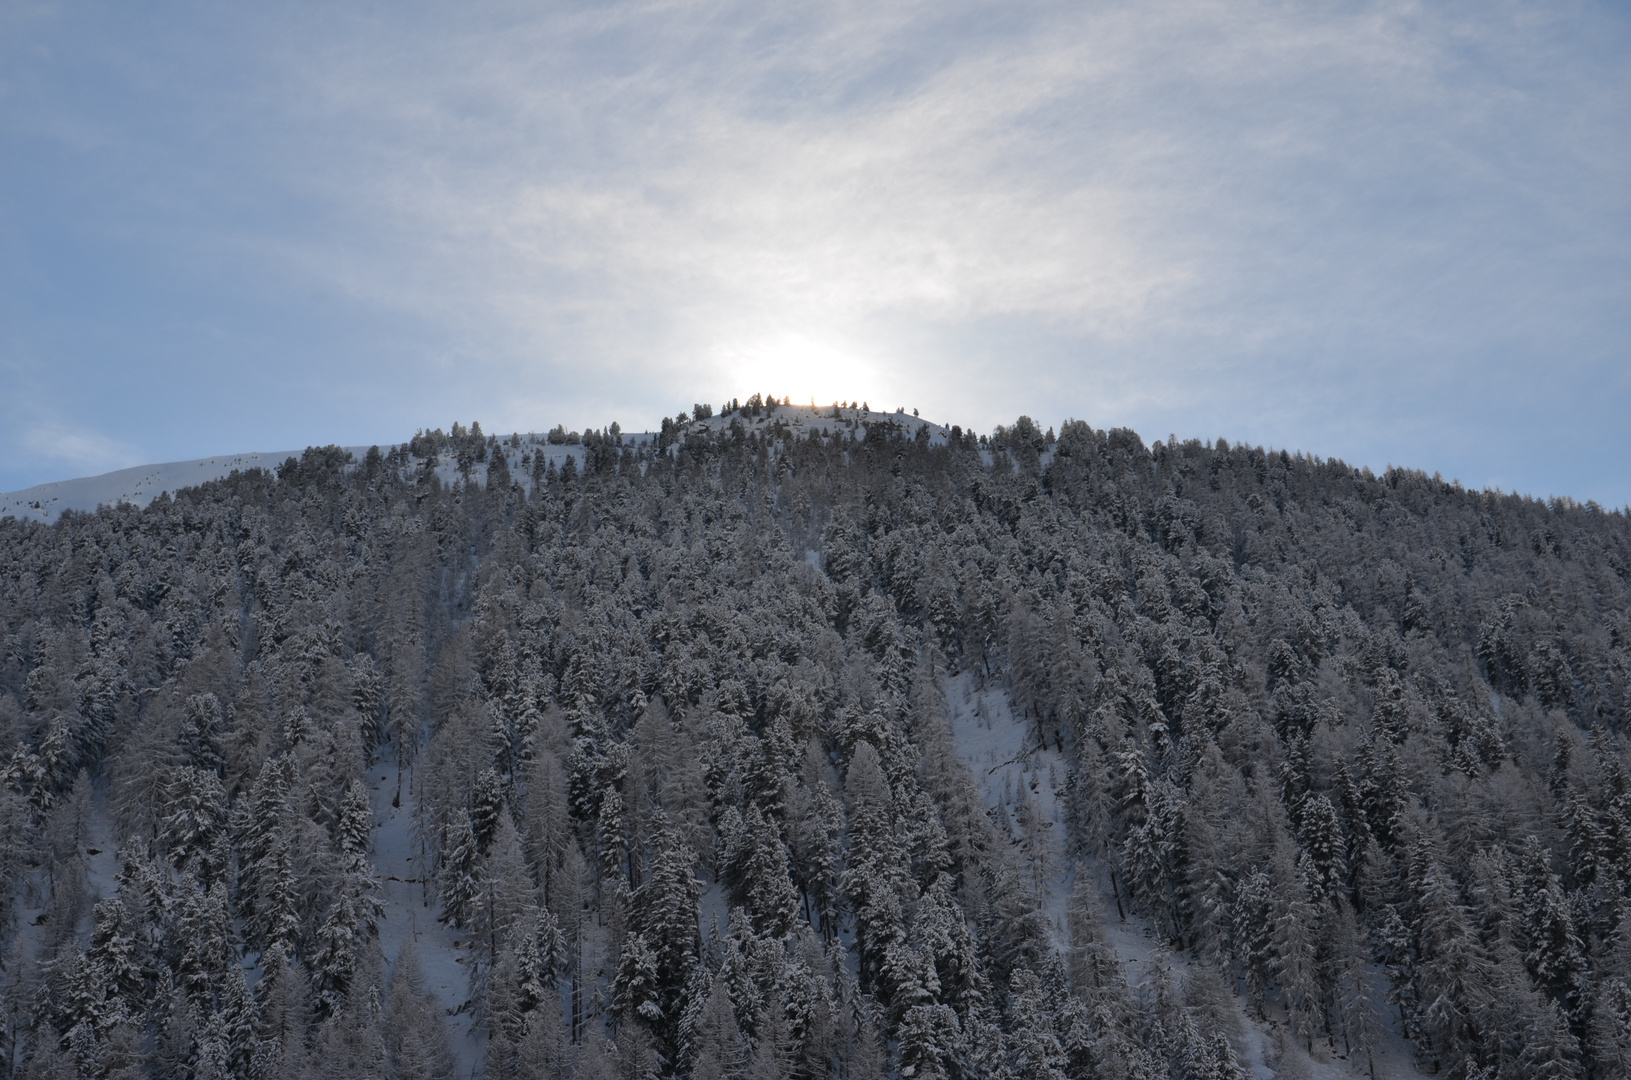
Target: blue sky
[1390, 233]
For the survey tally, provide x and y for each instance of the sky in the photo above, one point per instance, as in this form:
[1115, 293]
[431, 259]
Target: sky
[1389, 233]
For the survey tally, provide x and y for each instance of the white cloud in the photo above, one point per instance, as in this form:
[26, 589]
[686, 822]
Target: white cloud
[714, 211]
[81, 449]
[1302, 223]
[1149, 172]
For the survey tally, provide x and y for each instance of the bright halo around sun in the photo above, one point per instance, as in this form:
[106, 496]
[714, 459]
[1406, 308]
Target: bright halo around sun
[802, 369]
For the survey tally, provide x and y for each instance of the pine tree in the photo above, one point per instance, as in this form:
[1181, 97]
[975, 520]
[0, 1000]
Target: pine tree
[335, 960]
[612, 837]
[112, 951]
[355, 825]
[1253, 935]
[772, 1054]
[1037, 1051]
[284, 1014]
[875, 879]
[238, 1021]
[1295, 937]
[194, 829]
[712, 1042]
[1611, 1029]
[1553, 948]
[206, 946]
[486, 805]
[665, 912]
[1323, 850]
[762, 870]
[1452, 975]
[459, 874]
[636, 987]
[416, 1040]
[505, 899]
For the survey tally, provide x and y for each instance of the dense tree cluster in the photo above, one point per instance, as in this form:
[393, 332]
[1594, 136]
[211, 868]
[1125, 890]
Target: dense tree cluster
[675, 737]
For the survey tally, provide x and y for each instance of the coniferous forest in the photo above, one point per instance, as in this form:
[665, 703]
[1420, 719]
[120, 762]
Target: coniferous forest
[597, 755]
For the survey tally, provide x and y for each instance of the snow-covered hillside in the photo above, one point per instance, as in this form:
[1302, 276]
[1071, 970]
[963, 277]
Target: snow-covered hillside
[759, 750]
[827, 419]
[1021, 781]
[141, 484]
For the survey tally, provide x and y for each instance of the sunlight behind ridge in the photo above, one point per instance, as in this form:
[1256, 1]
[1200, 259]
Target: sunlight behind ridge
[802, 369]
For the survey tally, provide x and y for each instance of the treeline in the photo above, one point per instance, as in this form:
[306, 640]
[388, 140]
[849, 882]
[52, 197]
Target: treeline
[1352, 744]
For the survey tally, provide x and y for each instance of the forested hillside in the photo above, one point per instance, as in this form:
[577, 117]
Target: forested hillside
[666, 727]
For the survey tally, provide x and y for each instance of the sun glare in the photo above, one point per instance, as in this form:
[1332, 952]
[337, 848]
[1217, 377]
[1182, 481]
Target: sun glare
[800, 369]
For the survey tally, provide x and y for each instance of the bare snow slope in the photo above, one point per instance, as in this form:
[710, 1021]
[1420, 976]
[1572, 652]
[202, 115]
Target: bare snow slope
[139, 485]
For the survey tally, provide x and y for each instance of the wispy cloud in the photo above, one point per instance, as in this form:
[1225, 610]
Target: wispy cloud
[1357, 229]
[655, 194]
[87, 452]
[1221, 174]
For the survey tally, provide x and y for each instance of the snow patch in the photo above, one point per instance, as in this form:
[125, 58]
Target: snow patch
[138, 486]
[1019, 777]
[410, 910]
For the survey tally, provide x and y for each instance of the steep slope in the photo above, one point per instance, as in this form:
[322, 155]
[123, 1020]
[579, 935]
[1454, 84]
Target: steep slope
[789, 743]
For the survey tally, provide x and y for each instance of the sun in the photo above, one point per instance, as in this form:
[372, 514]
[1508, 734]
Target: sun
[800, 368]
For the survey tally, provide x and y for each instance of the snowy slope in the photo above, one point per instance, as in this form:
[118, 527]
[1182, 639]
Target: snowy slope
[803, 419]
[411, 911]
[1018, 776]
[141, 484]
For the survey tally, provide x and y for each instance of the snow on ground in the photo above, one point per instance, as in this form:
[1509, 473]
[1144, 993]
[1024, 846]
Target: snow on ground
[141, 484]
[828, 419]
[1018, 774]
[443, 951]
[1019, 777]
[714, 910]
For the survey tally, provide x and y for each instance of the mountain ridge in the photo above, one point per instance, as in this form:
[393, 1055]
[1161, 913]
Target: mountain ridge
[138, 485]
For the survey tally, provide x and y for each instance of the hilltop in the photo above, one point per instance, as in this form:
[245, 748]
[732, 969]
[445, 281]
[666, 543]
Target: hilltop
[782, 743]
[139, 485]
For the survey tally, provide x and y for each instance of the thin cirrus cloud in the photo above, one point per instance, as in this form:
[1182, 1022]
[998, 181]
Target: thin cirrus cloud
[1388, 232]
[729, 222]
